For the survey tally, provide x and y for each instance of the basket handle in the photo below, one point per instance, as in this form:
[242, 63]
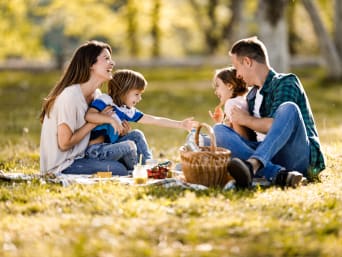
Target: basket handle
[211, 135]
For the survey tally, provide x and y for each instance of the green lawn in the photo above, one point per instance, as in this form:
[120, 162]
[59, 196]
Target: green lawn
[108, 219]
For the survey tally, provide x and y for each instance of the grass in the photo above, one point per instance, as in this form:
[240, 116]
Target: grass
[109, 219]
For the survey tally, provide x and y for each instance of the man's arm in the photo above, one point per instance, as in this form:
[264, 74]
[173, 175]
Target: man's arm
[243, 118]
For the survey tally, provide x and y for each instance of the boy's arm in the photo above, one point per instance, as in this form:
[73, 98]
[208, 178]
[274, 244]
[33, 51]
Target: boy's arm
[94, 116]
[186, 124]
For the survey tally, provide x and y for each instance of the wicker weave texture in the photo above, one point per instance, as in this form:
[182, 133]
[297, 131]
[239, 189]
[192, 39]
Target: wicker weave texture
[207, 167]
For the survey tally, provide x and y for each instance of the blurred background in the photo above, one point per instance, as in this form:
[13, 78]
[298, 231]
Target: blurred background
[41, 34]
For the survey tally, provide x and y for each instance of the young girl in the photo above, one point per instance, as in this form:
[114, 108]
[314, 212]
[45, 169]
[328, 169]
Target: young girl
[125, 91]
[230, 90]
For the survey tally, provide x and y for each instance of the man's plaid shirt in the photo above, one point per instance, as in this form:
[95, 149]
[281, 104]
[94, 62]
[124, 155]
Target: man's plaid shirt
[279, 88]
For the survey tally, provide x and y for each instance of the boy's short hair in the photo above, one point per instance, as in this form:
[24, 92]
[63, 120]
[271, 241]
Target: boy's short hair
[252, 48]
[122, 82]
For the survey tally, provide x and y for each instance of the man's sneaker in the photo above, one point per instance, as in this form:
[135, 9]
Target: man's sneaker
[241, 171]
[288, 178]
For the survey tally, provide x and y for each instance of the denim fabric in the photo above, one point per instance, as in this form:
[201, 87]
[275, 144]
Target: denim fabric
[280, 88]
[125, 151]
[90, 166]
[286, 145]
[138, 137]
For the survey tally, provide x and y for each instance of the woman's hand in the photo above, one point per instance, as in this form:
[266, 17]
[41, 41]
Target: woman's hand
[126, 128]
[108, 110]
[118, 128]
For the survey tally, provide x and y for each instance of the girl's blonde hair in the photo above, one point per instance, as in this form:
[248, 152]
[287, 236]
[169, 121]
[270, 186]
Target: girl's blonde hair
[228, 76]
[78, 71]
[122, 82]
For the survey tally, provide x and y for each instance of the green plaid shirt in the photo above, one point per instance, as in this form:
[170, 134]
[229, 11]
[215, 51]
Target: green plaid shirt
[279, 88]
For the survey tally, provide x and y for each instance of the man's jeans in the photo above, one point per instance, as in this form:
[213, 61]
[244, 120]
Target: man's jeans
[140, 141]
[286, 144]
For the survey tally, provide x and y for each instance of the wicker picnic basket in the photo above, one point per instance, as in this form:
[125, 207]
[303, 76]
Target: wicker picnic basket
[208, 166]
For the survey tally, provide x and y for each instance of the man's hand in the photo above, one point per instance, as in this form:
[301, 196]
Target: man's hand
[239, 116]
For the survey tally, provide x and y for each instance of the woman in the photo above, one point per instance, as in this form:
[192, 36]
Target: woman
[65, 133]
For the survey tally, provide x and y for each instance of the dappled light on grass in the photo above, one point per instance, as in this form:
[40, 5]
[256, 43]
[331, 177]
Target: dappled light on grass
[108, 217]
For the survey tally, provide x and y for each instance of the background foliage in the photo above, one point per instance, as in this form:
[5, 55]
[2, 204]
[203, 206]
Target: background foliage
[41, 29]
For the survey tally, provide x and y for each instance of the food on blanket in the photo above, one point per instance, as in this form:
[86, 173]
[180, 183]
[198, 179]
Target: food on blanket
[103, 174]
[140, 174]
[159, 171]
[140, 180]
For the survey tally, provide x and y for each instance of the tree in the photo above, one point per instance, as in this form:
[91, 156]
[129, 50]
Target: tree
[208, 22]
[21, 36]
[338, 27]
[329, 50]
[273, 32]
[294, 39]
[155, 31]
[234, 29]
[132, 27]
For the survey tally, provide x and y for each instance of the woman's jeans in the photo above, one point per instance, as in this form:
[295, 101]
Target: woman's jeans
[86, 166]
[125, 151]
[117, 158]
[138, 137]
[286, 145]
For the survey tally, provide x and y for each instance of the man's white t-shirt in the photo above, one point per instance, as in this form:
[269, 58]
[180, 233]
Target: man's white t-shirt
[256, 112]
[69, 108]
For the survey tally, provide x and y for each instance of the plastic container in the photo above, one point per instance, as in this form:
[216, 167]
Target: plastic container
[140, 174]
[191, 143]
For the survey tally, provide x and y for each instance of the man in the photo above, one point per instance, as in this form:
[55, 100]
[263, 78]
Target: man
[287, 146]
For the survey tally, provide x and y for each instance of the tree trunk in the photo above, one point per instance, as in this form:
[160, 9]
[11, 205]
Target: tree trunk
[273, 32]
[155, 31]
[327, 46]
[132, 28]
[208, 23]
[234, 30]
[338, 27]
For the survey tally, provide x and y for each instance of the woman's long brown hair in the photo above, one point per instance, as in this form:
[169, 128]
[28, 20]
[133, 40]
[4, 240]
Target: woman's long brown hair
[78, 71]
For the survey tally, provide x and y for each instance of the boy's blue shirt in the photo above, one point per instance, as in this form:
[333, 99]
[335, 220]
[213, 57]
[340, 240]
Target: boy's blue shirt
[122, 113]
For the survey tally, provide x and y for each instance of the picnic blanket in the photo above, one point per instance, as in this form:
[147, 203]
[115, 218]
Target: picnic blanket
[67, 180]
